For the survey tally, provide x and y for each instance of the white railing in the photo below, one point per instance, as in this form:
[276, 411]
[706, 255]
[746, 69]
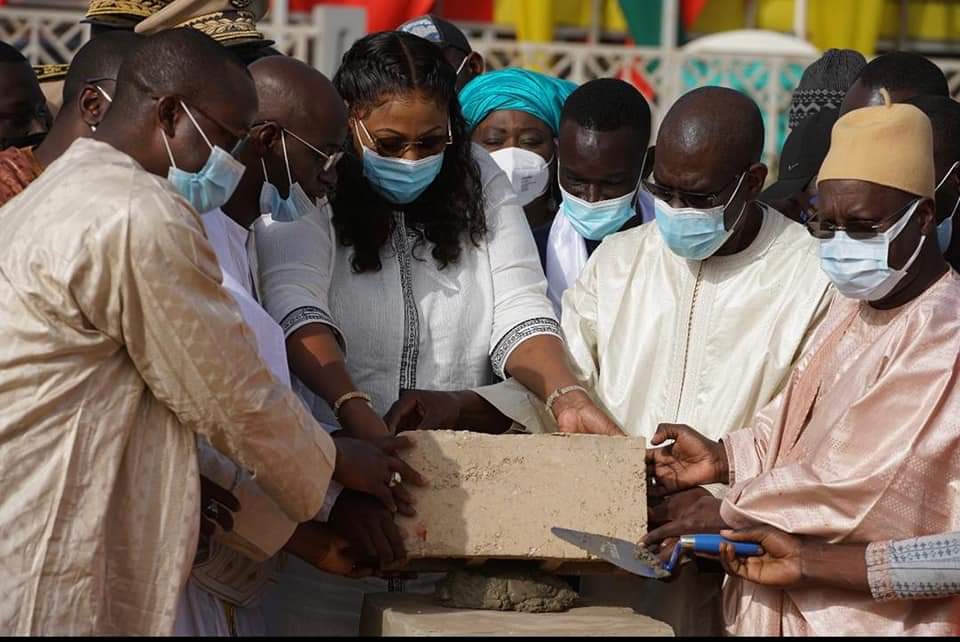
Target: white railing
[45, 36]
[665, 74]
[52, 36]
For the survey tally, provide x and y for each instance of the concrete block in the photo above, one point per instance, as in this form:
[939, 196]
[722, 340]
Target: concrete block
[406, 614]
[497, 496]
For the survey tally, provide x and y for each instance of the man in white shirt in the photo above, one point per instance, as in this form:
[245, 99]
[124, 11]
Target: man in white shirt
[698, 317]
[602, 152]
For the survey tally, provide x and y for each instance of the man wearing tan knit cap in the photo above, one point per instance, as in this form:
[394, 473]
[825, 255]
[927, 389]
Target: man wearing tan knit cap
[863, 444]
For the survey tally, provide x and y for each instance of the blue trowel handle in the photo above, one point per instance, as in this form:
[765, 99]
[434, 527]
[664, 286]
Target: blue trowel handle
[706, 543]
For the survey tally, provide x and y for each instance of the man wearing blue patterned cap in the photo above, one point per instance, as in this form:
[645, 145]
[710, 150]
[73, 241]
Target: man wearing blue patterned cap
[454, 46]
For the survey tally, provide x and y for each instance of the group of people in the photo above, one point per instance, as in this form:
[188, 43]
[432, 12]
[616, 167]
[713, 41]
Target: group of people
[226, 293]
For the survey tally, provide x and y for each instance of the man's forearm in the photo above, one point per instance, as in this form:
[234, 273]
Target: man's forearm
[836, 565]
[479, 415]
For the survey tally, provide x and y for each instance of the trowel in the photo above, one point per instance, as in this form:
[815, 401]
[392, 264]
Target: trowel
[638, 560]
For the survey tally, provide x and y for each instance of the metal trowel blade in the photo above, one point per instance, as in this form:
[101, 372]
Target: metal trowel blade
[619, 552]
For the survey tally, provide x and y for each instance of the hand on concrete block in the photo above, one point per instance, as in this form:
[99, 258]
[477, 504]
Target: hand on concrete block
[498, 496]
[575, 412]
[439, 410]
[318, 545]
[690, 460]
[372, 467]
[701, 516]
[369, 527]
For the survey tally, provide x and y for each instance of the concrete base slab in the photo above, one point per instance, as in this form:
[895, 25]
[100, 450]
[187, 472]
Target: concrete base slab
[402, 614]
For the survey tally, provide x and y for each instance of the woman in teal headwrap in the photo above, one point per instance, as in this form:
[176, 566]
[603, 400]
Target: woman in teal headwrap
[515, 115]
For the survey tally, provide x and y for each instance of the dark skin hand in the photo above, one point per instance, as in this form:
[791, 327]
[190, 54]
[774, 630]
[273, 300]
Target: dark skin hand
[691, 460]
[540, 365]
[513, 128]
[369, 466]
[363, 521]
[702, 516]
[438, 410]
[317, 545]
[697, 153]
[663, 510]
[598, 166]
[220, 514]
[841, 201]
[789, 561]
[227, 504]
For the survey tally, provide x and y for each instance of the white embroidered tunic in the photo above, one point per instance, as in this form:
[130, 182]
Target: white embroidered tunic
[411, 324]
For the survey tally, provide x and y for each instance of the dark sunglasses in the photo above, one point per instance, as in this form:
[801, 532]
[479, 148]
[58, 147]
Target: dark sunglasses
[700, 201]
[859, 230]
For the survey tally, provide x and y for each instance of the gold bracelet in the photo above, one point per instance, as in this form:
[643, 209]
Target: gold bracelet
[356, 394]
[559, 392]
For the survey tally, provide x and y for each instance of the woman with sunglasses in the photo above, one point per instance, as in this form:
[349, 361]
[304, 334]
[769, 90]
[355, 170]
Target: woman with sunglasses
[426, 270]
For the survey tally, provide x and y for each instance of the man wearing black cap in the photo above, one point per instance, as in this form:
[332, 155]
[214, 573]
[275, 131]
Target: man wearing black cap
[825, 83]
[795, 191]
[453, 44]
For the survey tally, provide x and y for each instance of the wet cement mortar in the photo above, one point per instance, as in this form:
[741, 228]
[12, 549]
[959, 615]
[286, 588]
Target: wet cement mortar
[524, 591]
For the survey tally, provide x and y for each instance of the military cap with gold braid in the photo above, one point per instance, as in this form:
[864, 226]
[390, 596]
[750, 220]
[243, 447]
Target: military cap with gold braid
[229, 22]
[122, 14]
[48, 73]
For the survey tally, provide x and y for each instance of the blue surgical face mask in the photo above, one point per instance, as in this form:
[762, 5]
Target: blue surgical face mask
[945, 231]
[596, 221]
[214, 184]
[945, 228]
[398, 180]
[692, 233]
[296, 205]
[859, 268]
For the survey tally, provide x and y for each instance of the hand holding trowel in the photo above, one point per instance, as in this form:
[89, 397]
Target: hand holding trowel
[639, 560]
